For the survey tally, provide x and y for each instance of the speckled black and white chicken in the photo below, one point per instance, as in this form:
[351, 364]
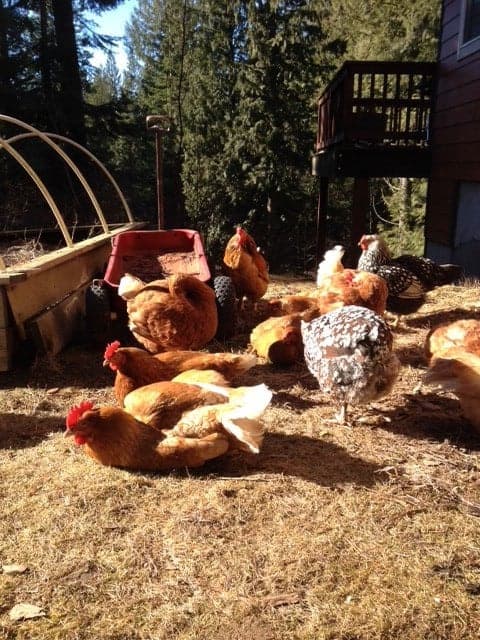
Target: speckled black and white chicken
[408, 277]
[350, 353]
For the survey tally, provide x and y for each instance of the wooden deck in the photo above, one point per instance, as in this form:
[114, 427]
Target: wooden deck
[373, 121]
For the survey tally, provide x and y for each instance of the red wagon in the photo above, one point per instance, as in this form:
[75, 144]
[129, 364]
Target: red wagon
[155, 255]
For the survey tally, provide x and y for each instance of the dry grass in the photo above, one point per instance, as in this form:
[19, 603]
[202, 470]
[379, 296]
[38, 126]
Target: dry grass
[12, 255]
[330, 533]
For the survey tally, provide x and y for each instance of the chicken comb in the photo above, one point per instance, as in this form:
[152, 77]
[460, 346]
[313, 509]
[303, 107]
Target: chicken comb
[111, 349]
[76, 413]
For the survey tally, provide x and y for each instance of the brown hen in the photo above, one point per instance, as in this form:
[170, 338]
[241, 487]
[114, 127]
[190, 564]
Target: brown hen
[135, 367]
[458, 371]
[173, 314]
[246, 266]
[278, 339]
[464, 334]
[168, 425]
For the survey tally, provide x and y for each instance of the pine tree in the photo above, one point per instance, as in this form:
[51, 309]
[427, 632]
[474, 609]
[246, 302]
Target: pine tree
[267, 164]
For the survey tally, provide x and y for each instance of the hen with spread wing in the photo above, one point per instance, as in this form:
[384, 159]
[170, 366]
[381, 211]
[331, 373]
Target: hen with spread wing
[168, 425]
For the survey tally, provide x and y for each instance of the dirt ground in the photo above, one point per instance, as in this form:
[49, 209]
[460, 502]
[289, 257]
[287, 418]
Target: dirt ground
[330, 533]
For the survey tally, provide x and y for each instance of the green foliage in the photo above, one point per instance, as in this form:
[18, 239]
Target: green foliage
[404, 204]
[239, 80]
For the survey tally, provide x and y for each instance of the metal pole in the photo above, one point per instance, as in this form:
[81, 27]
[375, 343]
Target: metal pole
[159, 165]
[160, 125]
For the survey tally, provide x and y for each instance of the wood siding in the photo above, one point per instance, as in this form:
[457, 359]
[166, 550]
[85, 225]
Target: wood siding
[455, 128]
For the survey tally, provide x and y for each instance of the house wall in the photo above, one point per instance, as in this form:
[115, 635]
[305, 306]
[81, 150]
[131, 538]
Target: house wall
[455, 138]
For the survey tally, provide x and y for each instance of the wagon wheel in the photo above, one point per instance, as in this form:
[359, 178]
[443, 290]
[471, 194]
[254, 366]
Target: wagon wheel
[97, 311]
[226, 306]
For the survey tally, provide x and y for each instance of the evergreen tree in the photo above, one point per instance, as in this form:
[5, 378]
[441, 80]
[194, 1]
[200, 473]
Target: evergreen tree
[267, 152]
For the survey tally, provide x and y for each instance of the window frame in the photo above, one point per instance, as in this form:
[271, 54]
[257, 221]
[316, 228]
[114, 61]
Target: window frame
[466, 48]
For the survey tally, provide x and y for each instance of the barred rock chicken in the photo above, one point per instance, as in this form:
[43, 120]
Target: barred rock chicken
[458, 371]
[464, 334]
[173, 314]
[408, 277]
[349, 352]
[169, 425]
[246, 266]
[135, 367]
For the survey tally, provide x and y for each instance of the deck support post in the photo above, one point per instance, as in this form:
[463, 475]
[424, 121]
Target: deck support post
[321, 218]
[358, 226]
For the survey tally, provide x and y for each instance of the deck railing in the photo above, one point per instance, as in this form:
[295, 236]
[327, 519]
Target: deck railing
[377, 103]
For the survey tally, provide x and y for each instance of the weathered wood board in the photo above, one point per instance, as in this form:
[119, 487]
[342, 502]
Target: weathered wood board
[43, 298]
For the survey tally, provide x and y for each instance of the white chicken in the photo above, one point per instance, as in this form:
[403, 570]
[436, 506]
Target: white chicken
[331, 263]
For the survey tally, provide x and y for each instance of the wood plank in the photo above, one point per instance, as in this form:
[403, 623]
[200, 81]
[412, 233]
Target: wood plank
[10, 277]
[4, 309]
[465, 76]
[48, 286]
[455, 171]
[440, 213]
[451, 64]
[461, 133]
[465, 113]
[7, 348]
[54, 328]
[451, 11]
[466, 153]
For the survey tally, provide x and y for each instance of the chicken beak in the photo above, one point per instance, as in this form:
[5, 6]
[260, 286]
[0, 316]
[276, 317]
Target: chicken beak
[105, 363]
[68, 433]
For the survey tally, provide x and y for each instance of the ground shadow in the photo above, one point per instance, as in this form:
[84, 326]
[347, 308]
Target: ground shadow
[79, 365]
[20, 431]
[431, 416]
[412, 355]
[311, 459]
[436, 318]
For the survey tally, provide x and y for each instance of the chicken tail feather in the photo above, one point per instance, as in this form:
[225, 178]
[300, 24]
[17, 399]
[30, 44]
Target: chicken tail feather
[129, 286]
[247, 431]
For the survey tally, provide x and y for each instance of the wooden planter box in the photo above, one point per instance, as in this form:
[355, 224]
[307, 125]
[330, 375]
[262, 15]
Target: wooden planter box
[44, 299]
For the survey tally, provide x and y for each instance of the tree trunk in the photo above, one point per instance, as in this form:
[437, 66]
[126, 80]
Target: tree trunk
[7, 93]
[70, 81]
[46, 67]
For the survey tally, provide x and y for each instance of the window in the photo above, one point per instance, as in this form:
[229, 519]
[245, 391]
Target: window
[469, 35]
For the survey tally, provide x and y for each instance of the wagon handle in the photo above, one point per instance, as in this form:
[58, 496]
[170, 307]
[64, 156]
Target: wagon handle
[160, 125]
